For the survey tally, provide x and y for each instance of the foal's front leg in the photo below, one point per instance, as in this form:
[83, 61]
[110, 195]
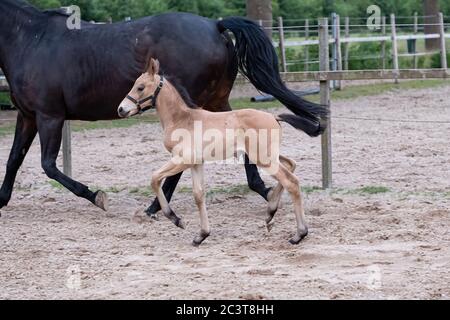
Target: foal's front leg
[170, 169]
[198, 182]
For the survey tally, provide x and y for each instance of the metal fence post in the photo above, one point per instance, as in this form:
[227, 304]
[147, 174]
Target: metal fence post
[67, 149]
[327, 180]
[282, 48]
[334, 62]
[443, 48]
[338, 49]
[306, 47]
[383, 43]
[394, 46]
[416, 31]
[347, 45]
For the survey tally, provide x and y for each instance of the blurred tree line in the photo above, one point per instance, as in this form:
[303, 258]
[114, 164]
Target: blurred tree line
[102, 10]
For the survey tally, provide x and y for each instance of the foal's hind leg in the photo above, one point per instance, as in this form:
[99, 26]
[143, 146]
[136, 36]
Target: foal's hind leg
[276, 193]
[199, 195]
[169, 187]
[291, 184]
[170, 169]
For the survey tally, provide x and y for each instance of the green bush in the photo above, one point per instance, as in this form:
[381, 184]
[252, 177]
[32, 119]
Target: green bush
[4, 98]
[367, 56]
[436, 60]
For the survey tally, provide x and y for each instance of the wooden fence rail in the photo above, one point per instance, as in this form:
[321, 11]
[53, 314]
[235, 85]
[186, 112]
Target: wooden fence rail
[338, 40]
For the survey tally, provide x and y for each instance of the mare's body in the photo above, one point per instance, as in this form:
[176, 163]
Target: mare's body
[56, 74]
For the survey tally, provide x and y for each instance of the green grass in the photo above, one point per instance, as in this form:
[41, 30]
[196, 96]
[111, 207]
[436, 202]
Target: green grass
[309, 190]
[244, 103]
[141, 191]
[372, 190]
[240, 189]
[57, 186]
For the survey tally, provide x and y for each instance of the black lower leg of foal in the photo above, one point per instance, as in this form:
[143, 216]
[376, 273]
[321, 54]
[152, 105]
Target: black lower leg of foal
[255, 182]
[169, 187]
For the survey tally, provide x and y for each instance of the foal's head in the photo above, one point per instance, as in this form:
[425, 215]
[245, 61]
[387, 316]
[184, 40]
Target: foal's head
[145, 92]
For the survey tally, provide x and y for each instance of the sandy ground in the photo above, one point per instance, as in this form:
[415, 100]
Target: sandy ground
[383, 246]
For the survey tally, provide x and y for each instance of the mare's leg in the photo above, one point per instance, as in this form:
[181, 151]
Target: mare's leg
[199, 195]
[50, 134]
[168, 188]
[170, 169]
[255, 182]
[291, 183]
[276, 193]
[25, 133]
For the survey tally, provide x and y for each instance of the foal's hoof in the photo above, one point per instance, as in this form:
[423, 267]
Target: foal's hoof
[153, 216]
[101, 200]
[198, 240]
[269, 220]
[299, 237]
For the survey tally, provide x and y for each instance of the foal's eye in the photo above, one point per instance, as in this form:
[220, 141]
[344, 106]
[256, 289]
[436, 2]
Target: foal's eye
[140, 89]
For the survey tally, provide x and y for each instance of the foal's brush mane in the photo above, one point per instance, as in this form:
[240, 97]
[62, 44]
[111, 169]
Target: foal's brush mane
[181, 91]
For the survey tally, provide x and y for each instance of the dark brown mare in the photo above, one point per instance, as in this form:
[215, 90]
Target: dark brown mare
[57, 74]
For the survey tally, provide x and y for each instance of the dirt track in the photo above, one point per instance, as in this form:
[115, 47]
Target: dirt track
[388, 245]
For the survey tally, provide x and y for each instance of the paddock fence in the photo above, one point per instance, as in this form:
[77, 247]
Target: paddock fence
[333, 64]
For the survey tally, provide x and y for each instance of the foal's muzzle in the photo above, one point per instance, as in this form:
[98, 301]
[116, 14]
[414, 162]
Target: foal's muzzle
[127, 110]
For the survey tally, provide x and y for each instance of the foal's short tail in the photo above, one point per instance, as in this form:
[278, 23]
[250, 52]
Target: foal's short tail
[311, 128]
[258, 61]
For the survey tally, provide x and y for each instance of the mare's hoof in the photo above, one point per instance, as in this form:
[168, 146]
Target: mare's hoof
[3, 203]
[101, 200]
[181, 224]
[153, 216]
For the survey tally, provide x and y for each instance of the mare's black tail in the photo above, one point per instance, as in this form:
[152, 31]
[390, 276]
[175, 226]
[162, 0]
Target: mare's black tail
[258, 61]
[300, 123]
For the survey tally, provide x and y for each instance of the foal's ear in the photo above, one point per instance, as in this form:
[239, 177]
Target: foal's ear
[153, 67]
